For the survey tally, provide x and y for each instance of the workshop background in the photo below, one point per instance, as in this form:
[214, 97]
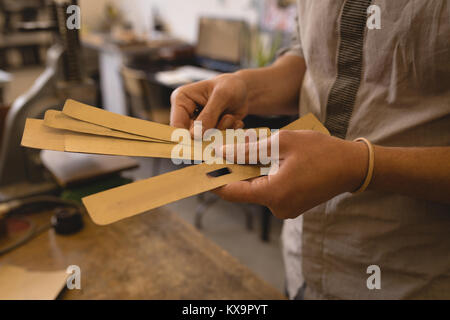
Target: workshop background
[128, 56]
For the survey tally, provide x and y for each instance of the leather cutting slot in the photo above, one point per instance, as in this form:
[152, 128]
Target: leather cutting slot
[219, 173]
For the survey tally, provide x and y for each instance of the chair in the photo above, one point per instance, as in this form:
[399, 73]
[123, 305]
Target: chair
[144, 100]
[207, 200]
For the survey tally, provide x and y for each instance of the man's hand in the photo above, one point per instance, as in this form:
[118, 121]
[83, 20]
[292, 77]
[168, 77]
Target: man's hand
[224, 102]
[228, 98]
[313, 168]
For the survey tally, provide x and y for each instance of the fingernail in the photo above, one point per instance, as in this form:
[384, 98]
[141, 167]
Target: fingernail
[238, 124]
[228, 123]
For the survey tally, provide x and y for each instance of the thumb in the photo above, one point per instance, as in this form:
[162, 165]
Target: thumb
[211, 113]
[250, 191]
[256, 152]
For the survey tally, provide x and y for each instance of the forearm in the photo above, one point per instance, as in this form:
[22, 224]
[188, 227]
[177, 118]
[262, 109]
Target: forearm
[417, 172]
[275, 89]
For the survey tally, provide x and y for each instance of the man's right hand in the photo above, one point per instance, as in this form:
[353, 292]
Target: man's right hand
[224, 102]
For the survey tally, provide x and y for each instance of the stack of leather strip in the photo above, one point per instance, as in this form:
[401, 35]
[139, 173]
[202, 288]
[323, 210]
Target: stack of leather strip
[84, 129]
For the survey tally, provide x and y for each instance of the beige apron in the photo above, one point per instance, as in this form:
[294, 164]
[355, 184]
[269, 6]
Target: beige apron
[403, 100]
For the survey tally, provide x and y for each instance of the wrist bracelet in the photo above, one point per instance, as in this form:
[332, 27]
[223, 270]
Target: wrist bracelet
[369, 174]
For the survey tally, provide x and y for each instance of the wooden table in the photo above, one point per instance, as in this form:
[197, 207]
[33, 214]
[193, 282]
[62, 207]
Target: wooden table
[152, 256]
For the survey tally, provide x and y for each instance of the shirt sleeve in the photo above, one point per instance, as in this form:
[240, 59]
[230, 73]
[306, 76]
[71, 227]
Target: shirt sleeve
[295, 48]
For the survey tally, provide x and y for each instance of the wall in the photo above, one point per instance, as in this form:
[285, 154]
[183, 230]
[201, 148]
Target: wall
[182, 15]
[92, 13]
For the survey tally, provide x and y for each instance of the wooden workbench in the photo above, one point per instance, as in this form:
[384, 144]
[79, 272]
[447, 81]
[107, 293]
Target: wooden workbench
[152, 256]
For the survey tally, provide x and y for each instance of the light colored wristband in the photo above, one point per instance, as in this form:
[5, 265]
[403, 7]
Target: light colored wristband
[369, 174]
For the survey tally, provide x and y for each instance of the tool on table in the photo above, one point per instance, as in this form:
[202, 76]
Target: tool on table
[67, 219]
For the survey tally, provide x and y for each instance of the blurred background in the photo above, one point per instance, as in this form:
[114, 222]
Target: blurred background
[127, 57]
